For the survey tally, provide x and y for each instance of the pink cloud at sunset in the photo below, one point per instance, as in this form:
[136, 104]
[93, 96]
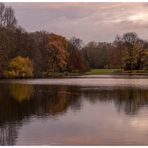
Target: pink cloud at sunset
[88, 21]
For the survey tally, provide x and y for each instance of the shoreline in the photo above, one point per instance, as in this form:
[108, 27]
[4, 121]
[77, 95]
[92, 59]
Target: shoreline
[121, 75]
[93, 73]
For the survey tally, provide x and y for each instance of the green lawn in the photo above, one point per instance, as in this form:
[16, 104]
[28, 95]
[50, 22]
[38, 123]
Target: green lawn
[114, 71]
[101, 71]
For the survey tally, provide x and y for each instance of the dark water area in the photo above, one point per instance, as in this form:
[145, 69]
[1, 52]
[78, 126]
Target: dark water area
[76, 111]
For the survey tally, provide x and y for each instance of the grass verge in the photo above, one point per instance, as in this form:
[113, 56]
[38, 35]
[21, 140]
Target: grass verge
[102, 71]
[114, 71]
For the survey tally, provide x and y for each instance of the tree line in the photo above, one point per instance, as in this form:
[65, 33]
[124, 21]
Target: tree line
[127, 52]
[40, 53]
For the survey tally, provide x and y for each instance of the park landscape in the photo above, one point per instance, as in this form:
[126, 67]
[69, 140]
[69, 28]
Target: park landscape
[56, 90]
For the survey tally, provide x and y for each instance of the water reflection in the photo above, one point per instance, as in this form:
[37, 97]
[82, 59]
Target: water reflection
[21, 92]
[130, 100]
[20, 102]
[8, 134]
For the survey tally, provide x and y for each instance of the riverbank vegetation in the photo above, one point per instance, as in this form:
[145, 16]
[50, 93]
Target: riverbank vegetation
[43, 54]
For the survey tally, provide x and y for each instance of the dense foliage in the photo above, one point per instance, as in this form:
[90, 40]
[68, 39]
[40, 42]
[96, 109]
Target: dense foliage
[128, 52]
[19, 67]
[42, 53]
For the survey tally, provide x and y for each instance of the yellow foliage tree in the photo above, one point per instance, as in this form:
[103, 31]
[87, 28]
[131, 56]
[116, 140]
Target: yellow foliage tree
[19, 67]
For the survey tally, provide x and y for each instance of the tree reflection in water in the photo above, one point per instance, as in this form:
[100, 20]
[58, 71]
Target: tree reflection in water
[20, 102]
[130, 100]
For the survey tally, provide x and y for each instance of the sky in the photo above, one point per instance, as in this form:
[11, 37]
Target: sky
[87, 21]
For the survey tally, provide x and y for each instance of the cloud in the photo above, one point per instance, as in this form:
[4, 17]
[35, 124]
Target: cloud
[89, 21]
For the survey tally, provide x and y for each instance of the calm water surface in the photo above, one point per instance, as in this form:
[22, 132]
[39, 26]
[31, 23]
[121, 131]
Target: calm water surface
[102, 110]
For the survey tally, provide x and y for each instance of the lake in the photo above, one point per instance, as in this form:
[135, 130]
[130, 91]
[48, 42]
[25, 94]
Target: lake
[87, 110]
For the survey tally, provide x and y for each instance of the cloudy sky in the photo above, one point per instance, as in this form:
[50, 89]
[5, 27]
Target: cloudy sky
[88, 21]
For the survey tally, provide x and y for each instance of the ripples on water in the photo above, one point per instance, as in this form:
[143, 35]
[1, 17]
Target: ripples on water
[74, 111]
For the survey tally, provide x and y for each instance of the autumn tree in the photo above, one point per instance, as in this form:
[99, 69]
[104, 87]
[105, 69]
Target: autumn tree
[133, 53]
[57, 53]
[49, 52]
[19, 67]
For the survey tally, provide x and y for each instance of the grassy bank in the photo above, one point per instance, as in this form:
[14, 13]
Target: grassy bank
[102, 71]
[114, 71]
[97, 72]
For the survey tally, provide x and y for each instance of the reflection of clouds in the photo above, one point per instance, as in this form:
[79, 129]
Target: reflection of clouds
[140, 124]
[75, 115]
[105, 19]
[100, 82]
[99, 123]
[139, 16]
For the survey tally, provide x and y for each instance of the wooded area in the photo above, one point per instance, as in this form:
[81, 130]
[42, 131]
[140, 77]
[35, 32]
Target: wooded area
[38, 54]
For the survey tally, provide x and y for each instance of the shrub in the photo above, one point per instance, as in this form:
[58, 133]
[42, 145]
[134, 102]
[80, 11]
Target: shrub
[19, 67]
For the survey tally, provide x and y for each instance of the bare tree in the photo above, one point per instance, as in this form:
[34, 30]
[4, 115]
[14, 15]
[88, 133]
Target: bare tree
[2, 11]
[7, 17]
[129, 40]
